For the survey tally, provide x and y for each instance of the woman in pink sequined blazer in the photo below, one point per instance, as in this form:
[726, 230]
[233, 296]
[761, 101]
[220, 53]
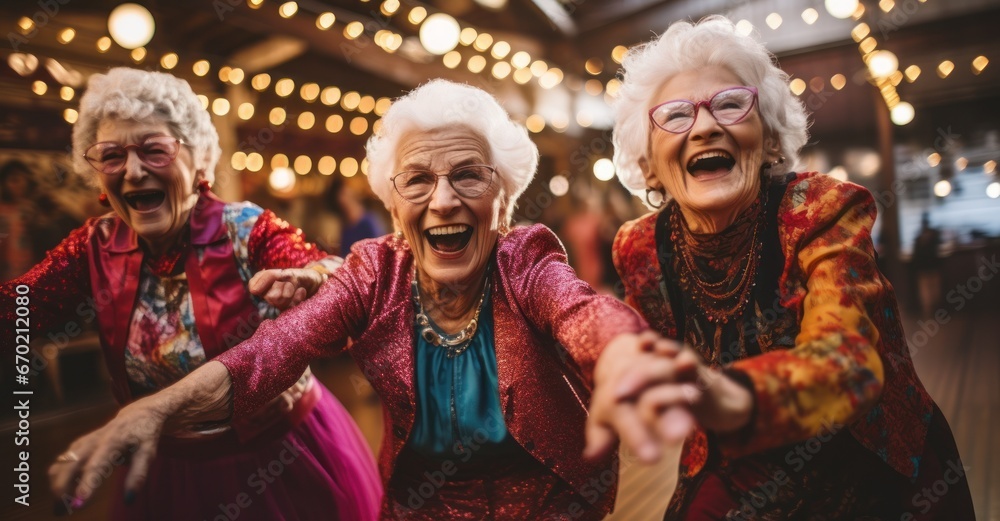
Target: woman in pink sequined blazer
[480, 340]
[168, 277]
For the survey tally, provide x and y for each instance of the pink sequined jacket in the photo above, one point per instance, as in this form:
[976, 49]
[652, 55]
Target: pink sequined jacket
[537, 302]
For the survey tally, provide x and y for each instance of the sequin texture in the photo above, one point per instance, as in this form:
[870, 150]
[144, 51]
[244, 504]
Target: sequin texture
[538, 304]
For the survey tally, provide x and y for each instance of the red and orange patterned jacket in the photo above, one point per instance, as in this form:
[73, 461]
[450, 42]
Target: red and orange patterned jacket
[849, 364]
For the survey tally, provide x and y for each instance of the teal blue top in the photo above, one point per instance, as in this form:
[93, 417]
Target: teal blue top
[458, 399]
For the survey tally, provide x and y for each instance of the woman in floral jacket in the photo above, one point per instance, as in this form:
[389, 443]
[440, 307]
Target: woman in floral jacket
[794, 392]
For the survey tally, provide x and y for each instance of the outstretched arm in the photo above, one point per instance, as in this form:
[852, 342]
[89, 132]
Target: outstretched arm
[204, 396]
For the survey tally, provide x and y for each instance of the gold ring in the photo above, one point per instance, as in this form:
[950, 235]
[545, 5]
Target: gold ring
[67, 456]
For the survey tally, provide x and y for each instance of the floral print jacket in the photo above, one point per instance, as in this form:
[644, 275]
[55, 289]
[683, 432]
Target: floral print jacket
[848, 364]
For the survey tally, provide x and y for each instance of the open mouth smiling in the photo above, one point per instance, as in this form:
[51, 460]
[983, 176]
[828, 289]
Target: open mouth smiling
[450, 238]
[145, 200]
[713, 162]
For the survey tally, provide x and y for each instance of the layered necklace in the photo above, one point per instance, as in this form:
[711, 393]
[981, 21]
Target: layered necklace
[454, 344]
[713, 274]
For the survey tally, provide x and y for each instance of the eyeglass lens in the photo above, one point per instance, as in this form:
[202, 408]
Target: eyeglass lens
[156, 151]
[727, 107]
[469, 181]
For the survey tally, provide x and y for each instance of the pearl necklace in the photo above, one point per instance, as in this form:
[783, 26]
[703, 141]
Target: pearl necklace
[457, 343]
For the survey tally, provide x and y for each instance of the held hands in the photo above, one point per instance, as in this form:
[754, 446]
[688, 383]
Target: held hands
[651, 391]
[286, 288]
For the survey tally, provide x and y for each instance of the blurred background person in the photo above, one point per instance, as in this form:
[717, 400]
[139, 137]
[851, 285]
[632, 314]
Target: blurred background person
[16, 209]
[346, 218]
[926, 263]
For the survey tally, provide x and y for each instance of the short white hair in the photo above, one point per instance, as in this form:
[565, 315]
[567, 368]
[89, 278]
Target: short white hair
[684, 47]
[441, 104]
[132, 94]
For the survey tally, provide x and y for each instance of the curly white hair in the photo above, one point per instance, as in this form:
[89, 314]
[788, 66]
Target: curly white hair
[686, 46]
[125, 93]
[441, 104]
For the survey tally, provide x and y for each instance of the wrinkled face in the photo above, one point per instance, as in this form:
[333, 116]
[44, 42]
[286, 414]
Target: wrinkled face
[451, 236]
[155, 202]
[711, 167]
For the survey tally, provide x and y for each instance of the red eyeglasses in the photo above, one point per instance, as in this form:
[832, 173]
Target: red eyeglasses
[728, 107]
[109, 157]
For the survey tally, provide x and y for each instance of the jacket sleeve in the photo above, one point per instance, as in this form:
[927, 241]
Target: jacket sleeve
[53, 292]
[834, 372]
[560, 304]
[274, 243]
[279, 351]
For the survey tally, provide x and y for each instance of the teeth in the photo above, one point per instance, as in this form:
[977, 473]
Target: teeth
[706, 155]
[448, 230]
[142, 193]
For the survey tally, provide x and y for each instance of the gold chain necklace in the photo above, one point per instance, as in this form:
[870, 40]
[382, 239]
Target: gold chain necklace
[457, 343]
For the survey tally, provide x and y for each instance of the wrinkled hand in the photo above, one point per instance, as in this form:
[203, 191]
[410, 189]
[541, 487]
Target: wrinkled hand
[132, 436]
[203, 396]
[616, 415]
[720, 404]
[668, 390]
[285, 288]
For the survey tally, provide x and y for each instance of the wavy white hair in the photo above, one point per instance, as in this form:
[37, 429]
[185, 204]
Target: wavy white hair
[442, 104]
[125, 93]
[686, 46]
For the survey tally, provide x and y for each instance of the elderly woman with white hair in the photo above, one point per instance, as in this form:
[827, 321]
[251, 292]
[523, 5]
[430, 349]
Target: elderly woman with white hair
[173, 277]
[479, 339]
[794, 391]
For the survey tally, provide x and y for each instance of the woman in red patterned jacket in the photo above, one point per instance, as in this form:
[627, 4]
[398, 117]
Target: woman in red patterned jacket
[794, 393]
[173, 277]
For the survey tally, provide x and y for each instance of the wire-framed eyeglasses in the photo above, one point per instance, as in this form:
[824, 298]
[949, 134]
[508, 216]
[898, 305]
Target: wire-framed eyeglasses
[728, 107]
[109, 157]
[469, 181]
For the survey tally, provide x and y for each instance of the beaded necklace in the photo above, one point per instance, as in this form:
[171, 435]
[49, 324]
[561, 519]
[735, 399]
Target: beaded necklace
[456, 343]
[724, 299]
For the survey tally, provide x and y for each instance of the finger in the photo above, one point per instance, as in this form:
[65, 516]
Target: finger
[95, 470]
[138, 470]
[262, 281]
[675, 425]
[287, 292]
[600, 440]
[655, 400]
[667, 347]
[300, 295]
[276, 295]
[634, 433]
[652, 371]
[61, 474]
[64, 473]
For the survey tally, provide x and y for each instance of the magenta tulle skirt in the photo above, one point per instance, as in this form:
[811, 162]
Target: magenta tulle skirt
[321, 468]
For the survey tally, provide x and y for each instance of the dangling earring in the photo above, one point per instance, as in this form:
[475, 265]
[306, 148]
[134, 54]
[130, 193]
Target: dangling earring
[204, 185]
[655, 198]
[103, 199]
[503, 229]
[771, 164]
[399, 235]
